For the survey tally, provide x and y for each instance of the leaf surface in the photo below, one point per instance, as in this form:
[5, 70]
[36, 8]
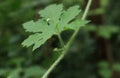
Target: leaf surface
[53, 21]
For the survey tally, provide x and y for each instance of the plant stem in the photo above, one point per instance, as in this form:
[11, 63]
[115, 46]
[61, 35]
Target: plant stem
[61, 42]
[54, 65]
[68, 44]
[60, 38]
[83, 18]
[86, 10]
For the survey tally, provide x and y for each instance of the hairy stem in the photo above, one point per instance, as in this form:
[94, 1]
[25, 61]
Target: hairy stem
[68, 44]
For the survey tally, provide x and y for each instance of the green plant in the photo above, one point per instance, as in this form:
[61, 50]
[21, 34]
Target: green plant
[105, 71]
[54, 20]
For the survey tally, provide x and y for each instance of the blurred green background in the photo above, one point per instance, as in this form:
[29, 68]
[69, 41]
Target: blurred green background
[95, 53]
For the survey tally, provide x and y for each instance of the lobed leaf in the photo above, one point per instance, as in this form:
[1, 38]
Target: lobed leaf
[52, 12]
[39, 38]
[70, 14]
[77, 23]
[54, 20]
[67, 16]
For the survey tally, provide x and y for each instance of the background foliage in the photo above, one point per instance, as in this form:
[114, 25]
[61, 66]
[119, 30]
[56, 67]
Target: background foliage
[94, 53]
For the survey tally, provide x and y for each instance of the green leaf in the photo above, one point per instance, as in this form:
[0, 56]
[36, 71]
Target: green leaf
[67, 16]
[4, 71]
[104, 69]
[90, 28]
[34, 71]
[37, 39]
[116, 67]
[70, 14]
[106, 73]
[77, 23]
[34, 27]
[54, 20]
[107, 31]
[103, 65]
[15, 73]
[52, 12]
